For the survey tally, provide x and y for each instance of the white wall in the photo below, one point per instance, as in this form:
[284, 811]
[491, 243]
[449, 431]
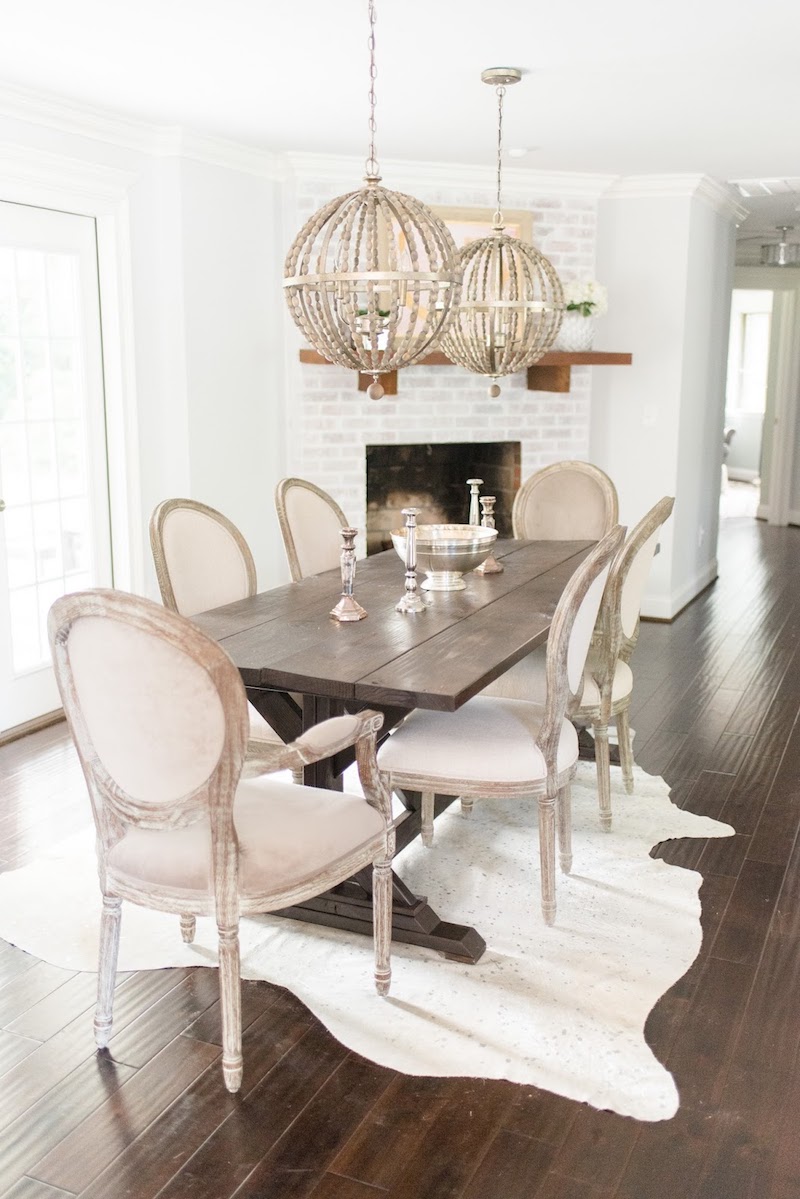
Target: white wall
[657, 425]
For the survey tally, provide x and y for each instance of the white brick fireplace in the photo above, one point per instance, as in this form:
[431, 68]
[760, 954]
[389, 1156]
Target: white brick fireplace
[329, 422]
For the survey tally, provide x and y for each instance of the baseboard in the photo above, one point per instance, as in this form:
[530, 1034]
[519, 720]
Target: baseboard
[31, 726]
[666, 608]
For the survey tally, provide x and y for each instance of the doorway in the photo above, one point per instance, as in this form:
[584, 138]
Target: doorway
[55, 533]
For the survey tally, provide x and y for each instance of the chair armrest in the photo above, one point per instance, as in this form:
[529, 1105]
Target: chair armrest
[322, 741]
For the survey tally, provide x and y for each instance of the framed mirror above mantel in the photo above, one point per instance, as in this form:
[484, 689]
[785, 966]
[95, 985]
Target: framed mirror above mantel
[550, 373]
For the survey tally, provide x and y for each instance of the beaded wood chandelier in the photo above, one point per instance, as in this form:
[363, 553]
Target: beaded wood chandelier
[372, 278]
[511, 301]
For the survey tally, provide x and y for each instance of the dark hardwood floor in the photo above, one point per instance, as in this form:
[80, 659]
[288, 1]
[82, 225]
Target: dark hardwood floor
[715, 711]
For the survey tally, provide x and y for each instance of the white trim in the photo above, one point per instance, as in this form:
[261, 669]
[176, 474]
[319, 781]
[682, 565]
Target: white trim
[663, 607]
[348, 172]
[787, 367]
[67, 184]
[162, 141]
[717, 195]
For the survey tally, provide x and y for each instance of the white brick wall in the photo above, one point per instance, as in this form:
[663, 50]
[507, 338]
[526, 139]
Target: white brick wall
[329, 422]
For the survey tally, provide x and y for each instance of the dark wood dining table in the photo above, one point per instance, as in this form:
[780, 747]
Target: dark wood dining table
[300, 666]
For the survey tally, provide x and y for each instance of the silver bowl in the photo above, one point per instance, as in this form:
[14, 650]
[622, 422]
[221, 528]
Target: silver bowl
[446, 552]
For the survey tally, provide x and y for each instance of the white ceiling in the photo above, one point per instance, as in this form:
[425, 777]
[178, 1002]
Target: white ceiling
[618, 86]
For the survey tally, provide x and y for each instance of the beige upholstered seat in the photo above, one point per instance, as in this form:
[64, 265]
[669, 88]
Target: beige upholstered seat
[567, 501]
[202, 562]
[158, 714]
[520, 748]
[607, 678]
[311, 522]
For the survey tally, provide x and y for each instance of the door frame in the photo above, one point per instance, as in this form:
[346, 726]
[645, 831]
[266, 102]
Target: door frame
[44, 180]
[786, 368]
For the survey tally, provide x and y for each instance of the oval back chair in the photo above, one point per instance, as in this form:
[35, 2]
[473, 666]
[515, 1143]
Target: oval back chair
[566, 501]
[608, 680]
[310, 522]
[203, 561]
[520, 748]
[158, 714]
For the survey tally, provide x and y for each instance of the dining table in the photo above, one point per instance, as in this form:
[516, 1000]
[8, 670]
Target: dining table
[300, 666]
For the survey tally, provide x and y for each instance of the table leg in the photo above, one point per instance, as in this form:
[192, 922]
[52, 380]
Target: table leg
[350, 904]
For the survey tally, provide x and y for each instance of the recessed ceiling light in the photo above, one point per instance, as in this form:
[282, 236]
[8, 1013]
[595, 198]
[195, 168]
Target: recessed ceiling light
[518, 151]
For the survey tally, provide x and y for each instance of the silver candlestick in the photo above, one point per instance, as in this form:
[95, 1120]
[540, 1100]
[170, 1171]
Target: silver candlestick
[348, 608]
[490, 565]
[412, 601]
[474, 496]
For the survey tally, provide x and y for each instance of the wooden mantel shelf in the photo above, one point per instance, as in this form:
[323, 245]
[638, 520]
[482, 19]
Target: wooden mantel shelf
[550, 373]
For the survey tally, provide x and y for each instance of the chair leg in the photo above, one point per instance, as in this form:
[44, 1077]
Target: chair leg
[600, 734]
[382, 923]
[107, 968]
[467, 805]
[625, 749]
[426, 831]
[230, 986]
[565, 829]
[547, 856]
[297, 776]
[188, 927]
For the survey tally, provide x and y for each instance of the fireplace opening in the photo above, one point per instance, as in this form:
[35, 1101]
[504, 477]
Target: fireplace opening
[433, 477]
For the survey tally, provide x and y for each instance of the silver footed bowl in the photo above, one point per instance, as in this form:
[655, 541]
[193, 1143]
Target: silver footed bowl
[446, 552]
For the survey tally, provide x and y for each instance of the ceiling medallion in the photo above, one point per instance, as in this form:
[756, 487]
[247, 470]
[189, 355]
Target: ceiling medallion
[372, 278]
[511, 302]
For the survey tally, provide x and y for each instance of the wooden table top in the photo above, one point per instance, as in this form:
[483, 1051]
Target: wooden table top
[285, 639]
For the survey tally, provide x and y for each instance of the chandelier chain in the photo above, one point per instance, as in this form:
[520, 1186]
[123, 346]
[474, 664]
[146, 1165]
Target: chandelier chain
[498, 216]
[373, 171]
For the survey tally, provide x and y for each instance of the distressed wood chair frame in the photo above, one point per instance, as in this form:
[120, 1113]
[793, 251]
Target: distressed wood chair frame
[604, 484]
[552, 792]
[115, 811]
[611, 644]
[287, 531]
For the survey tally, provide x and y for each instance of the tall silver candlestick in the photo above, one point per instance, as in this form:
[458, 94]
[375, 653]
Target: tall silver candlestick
[490, 565]
[474, 496]
[348, 608]
[412, 601]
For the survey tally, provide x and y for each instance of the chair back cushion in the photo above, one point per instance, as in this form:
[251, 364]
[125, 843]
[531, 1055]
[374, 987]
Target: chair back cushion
[310, 522]
[568, 501]
[202, 560]
[635, 582]
[155, 707]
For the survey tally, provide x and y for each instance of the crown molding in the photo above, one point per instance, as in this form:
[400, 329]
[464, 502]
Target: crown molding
[143, 137]
[722, 197]
[23, 168]
[347, 171]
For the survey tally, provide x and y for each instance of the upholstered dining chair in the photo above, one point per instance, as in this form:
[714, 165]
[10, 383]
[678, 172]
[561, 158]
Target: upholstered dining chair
[494, 747]
[608, 678]
[181, 827]
[310, 522]
[566, 501]
[202, 561]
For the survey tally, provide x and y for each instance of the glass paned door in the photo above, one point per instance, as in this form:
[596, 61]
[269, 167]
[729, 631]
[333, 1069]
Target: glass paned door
[54, 511]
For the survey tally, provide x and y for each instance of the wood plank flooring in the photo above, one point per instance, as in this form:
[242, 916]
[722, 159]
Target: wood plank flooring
[716, 710]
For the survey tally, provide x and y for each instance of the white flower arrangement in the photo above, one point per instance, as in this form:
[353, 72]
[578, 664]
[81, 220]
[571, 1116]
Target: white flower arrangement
[586, 296]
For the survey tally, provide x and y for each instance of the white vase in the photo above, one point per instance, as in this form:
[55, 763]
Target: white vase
[576, 333]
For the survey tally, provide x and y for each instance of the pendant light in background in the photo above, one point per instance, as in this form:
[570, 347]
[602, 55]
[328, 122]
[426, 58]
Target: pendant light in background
[372, 278]
[511, 300]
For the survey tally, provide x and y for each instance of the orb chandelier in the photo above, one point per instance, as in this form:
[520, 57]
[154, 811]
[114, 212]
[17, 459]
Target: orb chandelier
[372, 278]
[511, 300]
